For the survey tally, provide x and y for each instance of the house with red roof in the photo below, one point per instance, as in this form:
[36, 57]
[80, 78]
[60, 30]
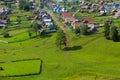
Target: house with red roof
[68, 17]
[88, 20]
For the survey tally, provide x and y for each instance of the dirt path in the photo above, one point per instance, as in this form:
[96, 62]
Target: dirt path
[60, 24]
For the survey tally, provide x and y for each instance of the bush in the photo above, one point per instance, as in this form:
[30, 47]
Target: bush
[84, 29]
[6, 35]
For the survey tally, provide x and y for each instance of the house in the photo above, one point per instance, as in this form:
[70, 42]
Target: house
[1, 10]
[2, 25]
[88, 20]
[117, 14]
[48, 23]
[68, 18]
[47, 20]
[3, 21]
[10, 1]
[59, 0]
[65, 15]
[7, 0]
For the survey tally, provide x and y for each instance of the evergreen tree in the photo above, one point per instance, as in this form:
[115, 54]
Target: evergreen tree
[107, 30]
[61, 39]
[113, 33]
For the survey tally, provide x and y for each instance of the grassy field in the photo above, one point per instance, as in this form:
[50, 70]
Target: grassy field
[88, 56]
[20, 68]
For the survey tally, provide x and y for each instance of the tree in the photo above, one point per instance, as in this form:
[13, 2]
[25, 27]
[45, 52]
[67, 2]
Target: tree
[107, 30]
[113, 33]
[35, 27]
[27, 7]
[61, 39]
[24, 5]
[6, 34]
[77, 30]
[84, 29]
[30, 34]
[18, 19]
[42, 4]
[9, 5]
[65, 1]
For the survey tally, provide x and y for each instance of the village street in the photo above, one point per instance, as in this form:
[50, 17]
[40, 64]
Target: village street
[59, 23]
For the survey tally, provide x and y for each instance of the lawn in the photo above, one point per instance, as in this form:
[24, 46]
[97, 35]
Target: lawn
[20, 68]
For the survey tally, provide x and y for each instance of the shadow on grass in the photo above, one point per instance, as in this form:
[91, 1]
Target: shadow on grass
[116, 40]
[73, 48]
[45, 36]
[19, 40]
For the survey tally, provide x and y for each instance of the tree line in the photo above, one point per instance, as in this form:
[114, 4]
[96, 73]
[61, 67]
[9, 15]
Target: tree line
[111, 32]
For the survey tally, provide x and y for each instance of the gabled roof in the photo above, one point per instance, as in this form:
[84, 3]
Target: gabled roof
[89, 20]
[66, 15]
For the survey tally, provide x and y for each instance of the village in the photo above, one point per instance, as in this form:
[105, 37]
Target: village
[59, 39]
[110, 11]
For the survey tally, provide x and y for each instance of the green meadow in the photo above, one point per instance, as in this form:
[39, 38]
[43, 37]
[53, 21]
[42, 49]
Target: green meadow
[20, 68]
[89, 57]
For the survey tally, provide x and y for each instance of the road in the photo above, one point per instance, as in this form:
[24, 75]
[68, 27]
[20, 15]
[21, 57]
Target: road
[59, 23]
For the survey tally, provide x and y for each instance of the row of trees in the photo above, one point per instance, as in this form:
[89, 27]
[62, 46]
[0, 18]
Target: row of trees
[111, 32]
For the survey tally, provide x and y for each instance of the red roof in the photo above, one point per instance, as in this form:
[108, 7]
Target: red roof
[66, 15]
[89, 20]
[49, 3]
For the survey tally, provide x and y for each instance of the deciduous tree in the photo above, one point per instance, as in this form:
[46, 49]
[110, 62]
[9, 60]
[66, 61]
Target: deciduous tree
[61, 39]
